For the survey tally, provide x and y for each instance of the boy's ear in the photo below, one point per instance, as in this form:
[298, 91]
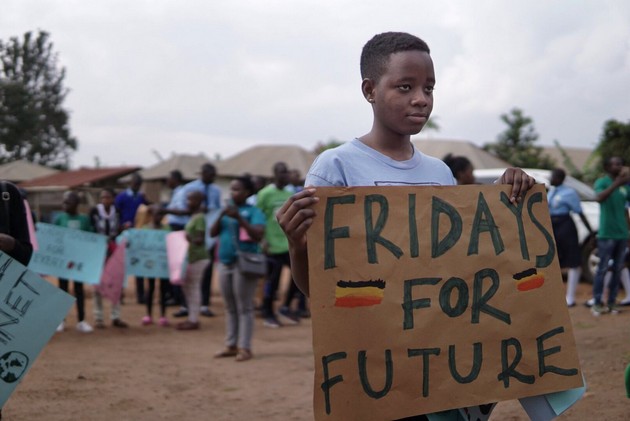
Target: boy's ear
[367, 87]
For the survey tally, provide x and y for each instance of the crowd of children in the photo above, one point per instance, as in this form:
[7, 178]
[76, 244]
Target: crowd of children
[246, 223]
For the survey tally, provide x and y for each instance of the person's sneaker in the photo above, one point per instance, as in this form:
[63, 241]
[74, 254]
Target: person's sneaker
[598, 309]
[243, 355]
[589, 303]
[614, 309]
[290, 317]
[230, 351]
[119, 323]
[205, 311]
[187, 325]
[272, 322]
[625, 303]
[84, 327]
[163, 322]
[183, 312]
[61, 327]
[147, 320]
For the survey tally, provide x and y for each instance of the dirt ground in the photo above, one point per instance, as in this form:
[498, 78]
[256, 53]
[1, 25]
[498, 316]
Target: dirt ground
[155, 373]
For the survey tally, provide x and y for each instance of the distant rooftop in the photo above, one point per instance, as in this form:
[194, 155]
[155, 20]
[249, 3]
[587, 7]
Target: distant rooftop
[83, 177]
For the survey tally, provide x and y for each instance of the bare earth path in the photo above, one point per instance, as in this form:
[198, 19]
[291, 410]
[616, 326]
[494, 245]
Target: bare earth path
[154, 373]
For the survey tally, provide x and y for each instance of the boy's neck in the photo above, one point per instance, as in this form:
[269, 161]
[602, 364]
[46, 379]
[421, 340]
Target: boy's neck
[399, 149]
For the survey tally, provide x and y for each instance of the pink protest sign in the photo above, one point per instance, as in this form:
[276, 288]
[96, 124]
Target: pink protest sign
[113, 274]
[31, 226]
[176, 249]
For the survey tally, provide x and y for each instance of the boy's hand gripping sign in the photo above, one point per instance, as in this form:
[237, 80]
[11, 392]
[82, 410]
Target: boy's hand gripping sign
[431, 298]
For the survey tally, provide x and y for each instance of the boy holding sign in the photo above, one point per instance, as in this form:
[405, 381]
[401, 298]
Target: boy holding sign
[397, 81]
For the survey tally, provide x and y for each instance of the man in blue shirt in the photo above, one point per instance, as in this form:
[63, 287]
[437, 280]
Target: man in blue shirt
[127, 203]
[177, 210]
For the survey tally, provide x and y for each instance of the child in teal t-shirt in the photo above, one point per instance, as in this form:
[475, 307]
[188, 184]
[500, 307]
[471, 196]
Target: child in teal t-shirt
[70, 218]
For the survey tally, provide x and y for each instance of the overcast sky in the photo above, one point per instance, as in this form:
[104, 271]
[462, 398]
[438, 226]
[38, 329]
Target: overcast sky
[150, 78]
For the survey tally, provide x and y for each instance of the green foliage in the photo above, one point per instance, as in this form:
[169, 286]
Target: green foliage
[516, 144]
[432, 124]
[615, 140]
[33, 124]
[321, 146]
[567, 162]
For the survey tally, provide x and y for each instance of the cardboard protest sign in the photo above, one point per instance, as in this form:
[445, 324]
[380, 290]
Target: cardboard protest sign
[145, 255]
[69, 253]
[30, 310]
[176, 248]
[113, 277]
[431, 298]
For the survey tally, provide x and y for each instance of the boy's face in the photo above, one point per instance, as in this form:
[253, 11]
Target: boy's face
[194, 200]
[238, 192]
[615, 166]
[70, 203]
[106, 198]
[403, 97]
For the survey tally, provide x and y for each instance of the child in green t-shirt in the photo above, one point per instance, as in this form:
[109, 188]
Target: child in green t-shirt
[197, 259]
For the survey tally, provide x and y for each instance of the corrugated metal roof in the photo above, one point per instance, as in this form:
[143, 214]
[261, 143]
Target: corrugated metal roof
[479, 158]
[22, 170]
[77, 178]
[189, 165]
[578, 156]
[259, 160]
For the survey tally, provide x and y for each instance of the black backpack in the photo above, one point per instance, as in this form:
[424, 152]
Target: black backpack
[5, 211]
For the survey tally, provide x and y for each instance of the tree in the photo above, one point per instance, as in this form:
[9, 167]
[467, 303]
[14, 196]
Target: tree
[321, 146]
[613, 141]
[432, 124]
[33, 124]
[568, 162]
[516, 144]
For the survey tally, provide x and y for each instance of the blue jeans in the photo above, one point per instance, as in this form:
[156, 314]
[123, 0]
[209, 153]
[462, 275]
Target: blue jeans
[608, 249]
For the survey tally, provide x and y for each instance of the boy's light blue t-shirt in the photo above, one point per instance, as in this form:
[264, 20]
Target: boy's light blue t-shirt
[356, 164]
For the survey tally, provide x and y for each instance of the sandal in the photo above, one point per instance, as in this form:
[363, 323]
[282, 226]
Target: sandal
[230, 351]
[244, 355]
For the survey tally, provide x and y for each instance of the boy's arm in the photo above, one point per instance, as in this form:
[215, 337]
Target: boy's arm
[295, 218]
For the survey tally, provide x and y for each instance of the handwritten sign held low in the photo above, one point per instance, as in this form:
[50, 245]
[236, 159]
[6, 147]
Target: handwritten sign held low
[431, 298]
[145, 255]
[113, 277]
[69, 253]
[177, 248]
[30, 310]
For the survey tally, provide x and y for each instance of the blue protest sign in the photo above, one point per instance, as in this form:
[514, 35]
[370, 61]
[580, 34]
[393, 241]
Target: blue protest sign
[30, 310]
[69, 253]
[145, 255]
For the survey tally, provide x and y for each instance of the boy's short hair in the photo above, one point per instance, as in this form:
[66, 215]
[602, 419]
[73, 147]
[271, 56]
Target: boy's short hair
[376, 51]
